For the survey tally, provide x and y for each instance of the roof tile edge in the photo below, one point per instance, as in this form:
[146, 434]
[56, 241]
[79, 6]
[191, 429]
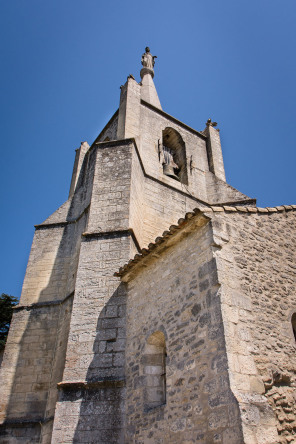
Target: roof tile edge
[192, 214]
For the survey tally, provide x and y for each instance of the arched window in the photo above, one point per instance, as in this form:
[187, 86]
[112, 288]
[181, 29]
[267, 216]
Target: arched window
[172, 154]
[293, 321]
[154, 369]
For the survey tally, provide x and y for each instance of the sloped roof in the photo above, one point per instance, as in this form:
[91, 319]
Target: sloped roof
[188, 217]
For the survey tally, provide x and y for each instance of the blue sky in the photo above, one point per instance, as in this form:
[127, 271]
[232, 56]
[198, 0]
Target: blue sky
[63, 62]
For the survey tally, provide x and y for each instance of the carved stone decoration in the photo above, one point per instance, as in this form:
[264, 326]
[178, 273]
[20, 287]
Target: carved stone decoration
[148, 62]
[210, 123]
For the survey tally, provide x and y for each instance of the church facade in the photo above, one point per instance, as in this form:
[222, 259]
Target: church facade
[158, 304]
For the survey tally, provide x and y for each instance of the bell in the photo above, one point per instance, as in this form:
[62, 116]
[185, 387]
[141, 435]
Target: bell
[168, 170]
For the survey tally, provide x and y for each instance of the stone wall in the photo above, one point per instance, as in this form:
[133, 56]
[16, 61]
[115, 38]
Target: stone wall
[34, 364]
[258, 276]
[94, 376]
[177, 293]
[35, 354]
[93, 382]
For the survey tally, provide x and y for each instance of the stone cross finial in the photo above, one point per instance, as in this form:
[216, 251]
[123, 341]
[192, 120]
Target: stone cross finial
[148, 62]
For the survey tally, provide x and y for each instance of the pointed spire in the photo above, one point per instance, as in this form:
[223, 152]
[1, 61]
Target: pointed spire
[148, 90]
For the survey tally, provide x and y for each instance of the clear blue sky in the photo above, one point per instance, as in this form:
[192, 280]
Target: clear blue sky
[63, 62]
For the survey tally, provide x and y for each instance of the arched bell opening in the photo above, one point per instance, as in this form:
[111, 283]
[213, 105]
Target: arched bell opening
[173, 155]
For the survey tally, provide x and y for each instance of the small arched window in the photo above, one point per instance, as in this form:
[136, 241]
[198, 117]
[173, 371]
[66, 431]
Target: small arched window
[172, 155]
[154, 369]
[293, 321]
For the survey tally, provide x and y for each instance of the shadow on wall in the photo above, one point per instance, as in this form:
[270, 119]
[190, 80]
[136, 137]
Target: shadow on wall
[101, 400]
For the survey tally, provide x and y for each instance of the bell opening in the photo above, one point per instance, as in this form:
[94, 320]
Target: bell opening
[173, 155]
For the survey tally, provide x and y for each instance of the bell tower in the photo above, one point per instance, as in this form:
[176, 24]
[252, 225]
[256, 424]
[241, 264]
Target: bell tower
[63, 373]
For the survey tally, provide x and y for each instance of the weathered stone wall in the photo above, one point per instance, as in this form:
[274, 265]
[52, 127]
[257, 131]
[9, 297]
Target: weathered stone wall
[95, 354]
[177, 293]
[93, 381]
[35, 353]
[220, 192]
[163, 207]
[215, 157]
[34, 364]
[257, 271]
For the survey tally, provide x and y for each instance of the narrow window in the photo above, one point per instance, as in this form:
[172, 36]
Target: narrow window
[154, 368]
[293, 320]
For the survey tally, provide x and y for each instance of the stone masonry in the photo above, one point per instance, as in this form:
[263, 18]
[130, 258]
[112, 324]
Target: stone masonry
[157, 301]
[241, 302]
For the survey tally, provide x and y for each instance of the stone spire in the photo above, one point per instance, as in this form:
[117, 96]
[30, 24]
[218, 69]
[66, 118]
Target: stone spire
[148, 90]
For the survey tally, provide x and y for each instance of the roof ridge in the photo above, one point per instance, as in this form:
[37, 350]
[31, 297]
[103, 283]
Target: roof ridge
[183, 221]
[245, 209]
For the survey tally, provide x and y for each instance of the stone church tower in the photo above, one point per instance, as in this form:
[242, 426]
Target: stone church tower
[158, 304]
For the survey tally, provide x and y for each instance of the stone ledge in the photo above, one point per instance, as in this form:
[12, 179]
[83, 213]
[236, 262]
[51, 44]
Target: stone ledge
[21, 422]
[112, 234]
[61, 224]
[102, 383]
[43, 304]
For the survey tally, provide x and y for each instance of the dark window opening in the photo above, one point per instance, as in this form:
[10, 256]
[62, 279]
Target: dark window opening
[154, 370]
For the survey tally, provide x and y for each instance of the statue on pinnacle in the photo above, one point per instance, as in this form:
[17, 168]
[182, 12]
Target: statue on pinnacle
[148, 62]
[148, 59]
